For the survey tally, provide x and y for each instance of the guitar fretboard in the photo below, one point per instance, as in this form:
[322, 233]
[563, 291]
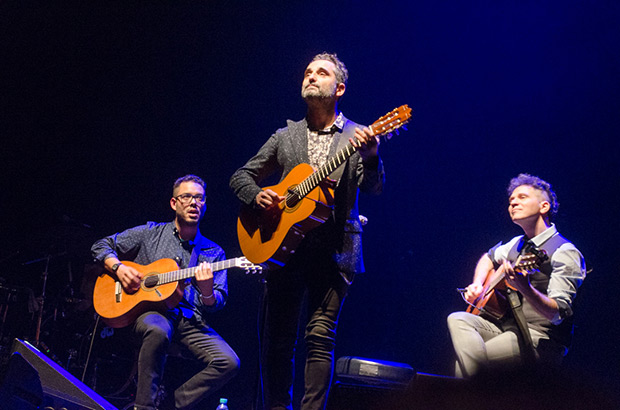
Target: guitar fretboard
[384, 125]
[177, 275]
[308, 184]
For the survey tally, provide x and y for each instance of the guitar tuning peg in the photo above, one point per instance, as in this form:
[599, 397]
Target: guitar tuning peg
[405, 127]
[397, 131]
[388, 136]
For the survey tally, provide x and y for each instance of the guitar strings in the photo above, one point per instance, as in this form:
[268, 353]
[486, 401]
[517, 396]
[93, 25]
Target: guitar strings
[307, 185]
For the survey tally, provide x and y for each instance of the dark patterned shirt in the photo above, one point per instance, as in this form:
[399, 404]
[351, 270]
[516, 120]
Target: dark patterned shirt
[319, 142]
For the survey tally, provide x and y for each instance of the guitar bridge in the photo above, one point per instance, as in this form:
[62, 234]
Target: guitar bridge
[118, 293]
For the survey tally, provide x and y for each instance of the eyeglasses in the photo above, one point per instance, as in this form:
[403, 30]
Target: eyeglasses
[186, 199]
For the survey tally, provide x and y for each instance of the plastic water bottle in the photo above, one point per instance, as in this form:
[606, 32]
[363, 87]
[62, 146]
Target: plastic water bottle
[223, 405]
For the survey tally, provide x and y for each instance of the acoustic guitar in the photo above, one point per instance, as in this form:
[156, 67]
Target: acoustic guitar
[271, 236]
[492, 300]
[160, 289]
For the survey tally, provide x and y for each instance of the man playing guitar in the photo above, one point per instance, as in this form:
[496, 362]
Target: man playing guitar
[545, 295]
[181, 241]
[324, 263]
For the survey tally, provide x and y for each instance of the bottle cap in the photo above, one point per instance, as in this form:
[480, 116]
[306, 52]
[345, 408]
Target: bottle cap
[224, 401]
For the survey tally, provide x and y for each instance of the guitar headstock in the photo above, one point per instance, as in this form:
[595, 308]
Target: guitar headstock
[248, 266]
[391, 121]
[530, 262]
[540, 254]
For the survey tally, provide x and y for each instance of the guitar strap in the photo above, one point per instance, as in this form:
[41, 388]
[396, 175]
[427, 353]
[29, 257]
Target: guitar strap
[528, 354]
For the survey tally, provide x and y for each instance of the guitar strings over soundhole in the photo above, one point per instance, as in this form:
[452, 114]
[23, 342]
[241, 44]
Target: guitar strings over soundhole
[292, 199]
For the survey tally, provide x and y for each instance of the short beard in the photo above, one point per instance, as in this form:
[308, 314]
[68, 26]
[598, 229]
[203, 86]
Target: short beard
[310, 93]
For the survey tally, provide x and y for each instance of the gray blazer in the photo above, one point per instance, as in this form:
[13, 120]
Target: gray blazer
[287, 148]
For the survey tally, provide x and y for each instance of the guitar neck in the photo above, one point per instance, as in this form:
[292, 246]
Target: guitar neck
[384, 125]
[308, 184]
[501, 274]
[181, 274]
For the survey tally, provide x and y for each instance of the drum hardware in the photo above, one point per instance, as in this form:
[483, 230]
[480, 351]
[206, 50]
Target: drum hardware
[10, 296]
[37, 333]
[44, 276]
[90, 349]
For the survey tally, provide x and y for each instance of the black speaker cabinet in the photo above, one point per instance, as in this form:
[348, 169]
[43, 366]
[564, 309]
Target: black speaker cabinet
[357, 396]
[424, 392]
[34, 381]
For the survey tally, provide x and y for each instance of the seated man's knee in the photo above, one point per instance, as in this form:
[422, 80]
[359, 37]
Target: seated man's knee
[457, 319]
[233, 365]
[156, 338]
[455, 316]
[227, 363]
[158, 334]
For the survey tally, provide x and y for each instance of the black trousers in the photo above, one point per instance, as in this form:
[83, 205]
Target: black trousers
[321, 284]
[156, 331]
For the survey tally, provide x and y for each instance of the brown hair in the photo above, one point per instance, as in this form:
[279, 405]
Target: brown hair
[342, 74]
[539, 184]
[188, 178]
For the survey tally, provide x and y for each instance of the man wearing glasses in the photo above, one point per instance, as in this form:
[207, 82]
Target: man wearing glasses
[182, 241]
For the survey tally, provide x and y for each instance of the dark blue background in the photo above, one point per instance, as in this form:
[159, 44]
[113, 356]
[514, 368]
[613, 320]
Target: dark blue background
[104, 104]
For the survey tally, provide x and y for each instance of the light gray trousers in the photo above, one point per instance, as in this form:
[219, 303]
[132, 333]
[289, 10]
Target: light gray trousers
[479, 343]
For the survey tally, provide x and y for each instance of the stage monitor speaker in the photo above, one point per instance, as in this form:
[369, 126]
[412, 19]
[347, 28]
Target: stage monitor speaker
[433, 392]
[60, 389]
[424, 392]
[20, 387]
[348, 396]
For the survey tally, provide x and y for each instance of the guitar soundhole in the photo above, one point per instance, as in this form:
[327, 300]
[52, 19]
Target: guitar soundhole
[292, 199]
[151, 281]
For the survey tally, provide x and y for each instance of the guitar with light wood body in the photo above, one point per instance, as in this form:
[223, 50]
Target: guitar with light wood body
[492, 300]
[271, 236]
[161, 289]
